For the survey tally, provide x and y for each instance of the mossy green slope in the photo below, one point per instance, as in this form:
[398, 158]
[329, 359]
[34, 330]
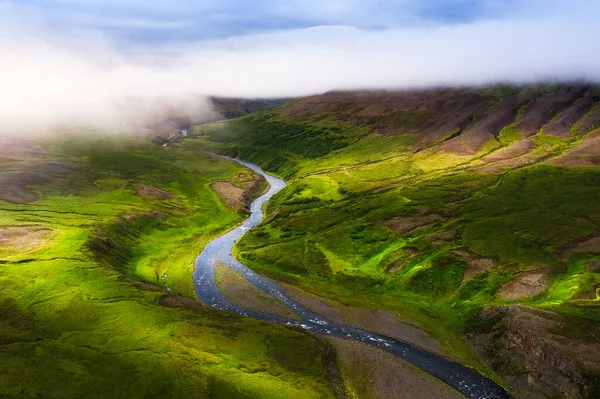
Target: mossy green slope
[424, 228]
[84, 272]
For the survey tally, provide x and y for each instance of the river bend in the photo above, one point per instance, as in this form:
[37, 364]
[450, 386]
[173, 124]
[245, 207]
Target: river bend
[464, 379]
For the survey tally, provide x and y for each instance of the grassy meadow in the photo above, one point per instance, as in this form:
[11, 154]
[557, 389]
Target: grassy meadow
[429, 234]
[96, 265]
[96, 284]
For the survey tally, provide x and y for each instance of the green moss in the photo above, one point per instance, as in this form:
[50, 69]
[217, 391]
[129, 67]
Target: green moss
[328, 231]
[441, 277]
[509, 135]
[76, 321]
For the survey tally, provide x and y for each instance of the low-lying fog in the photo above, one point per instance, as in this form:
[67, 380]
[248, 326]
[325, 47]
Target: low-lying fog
[50, 76]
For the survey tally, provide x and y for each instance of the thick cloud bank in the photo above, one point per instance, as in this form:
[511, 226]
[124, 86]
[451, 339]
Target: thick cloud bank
[51, 78]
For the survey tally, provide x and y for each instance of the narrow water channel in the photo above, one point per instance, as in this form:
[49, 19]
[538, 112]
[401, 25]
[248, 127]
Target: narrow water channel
[464, 379]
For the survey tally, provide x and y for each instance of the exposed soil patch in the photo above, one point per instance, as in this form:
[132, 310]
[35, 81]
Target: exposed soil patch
[591, 294]
[585, 245]
[409, 253]
[594, 265]
[372, 373]
[444, 235]
[525, 286]
[25, 178]
[488, 125]
[331, 367]
[586, 154]
[232, 196]
[241, 191]
[407, 225]
[21, 238]
[468, 143]
[589, 122]
[512, 163]
[379, 321]
[561, 127]
[476, 264]
[152, 193]
[248, 295]
[16, 194]
[437, 239]
[178, 301]
[512, 151]
[429, 113]
[141, 285]
[20, 149]
[542, 109]
[497, 117]
[19, 179]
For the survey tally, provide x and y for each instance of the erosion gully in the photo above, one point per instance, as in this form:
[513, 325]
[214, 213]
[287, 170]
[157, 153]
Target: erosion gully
[466, 380]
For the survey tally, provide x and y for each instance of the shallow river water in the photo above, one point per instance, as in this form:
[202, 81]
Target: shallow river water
[464, 379]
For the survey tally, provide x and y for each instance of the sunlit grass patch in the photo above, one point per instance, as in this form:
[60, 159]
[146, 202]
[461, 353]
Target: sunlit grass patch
[322, 187]
[509, 135]
[432, 160]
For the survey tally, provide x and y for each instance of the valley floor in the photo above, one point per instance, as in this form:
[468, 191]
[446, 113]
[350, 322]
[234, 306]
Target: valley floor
[463, 221]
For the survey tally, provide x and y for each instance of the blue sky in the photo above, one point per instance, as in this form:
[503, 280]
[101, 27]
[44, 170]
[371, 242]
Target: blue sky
[67, 60]
[195, 20]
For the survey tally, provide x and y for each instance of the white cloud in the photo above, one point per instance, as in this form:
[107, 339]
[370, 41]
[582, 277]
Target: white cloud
[49, 78]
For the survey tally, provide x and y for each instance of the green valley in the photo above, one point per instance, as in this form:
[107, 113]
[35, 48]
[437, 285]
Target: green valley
[463, 221]
[97, 240]
[441, 206]
[283, 199]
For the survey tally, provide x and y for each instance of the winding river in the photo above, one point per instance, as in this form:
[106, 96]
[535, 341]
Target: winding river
[464, 379]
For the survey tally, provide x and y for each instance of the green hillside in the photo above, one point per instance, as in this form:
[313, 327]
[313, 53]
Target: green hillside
[436, 204]
[97, 240]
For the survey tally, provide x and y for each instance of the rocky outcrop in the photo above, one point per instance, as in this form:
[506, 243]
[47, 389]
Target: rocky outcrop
[239, 193]
[541, 354]
[524, 286]
[475, 263]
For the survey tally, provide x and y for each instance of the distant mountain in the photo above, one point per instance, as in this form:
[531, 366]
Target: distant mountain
[465, 119]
